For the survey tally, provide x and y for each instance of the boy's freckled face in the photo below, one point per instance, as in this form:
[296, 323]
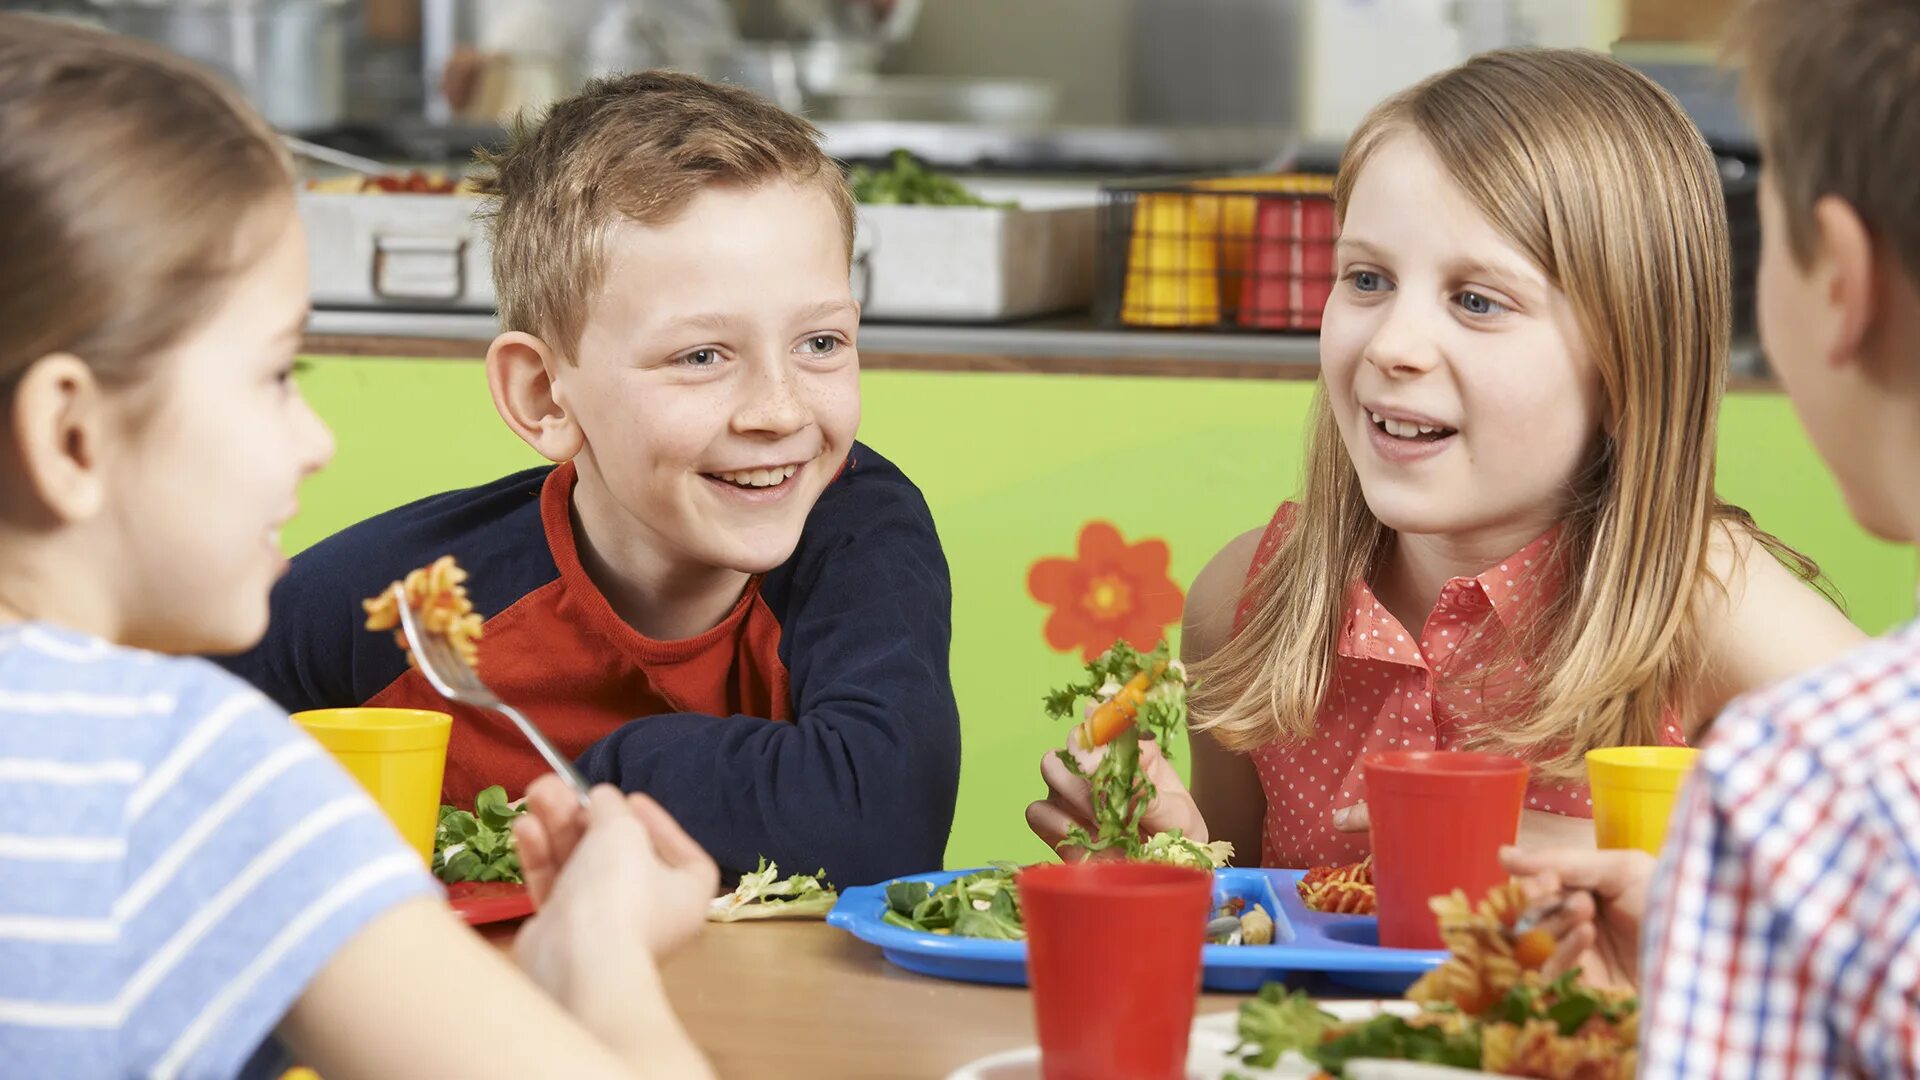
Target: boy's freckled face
[716, 381]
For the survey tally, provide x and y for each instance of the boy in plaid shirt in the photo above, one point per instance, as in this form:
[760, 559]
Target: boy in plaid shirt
[1782, 923]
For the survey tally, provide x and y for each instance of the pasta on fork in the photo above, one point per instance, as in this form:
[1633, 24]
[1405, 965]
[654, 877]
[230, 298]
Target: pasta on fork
[440, 592]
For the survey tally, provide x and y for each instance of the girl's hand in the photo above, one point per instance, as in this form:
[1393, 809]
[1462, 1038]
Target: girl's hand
[626, 860]
[1604, 902]
[1069, 800]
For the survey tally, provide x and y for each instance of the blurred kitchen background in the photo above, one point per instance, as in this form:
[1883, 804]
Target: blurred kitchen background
[1151, 167]
[1033, 86]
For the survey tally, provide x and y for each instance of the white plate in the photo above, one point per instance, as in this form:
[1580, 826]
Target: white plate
[1209, 1053]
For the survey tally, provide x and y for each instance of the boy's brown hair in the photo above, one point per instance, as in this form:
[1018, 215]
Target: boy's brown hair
[128, 177]
[640, 147]
[1833, 86]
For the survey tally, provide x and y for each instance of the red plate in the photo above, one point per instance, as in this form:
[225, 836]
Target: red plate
[482, 902]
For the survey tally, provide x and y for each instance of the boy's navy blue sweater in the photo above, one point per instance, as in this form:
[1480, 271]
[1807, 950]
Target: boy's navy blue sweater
[815, 726]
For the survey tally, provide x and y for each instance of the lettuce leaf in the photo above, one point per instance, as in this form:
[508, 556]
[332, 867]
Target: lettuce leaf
[979, 905]
[1277, 1021]
[477, 845]
[1174, 849]
[763, 894]
[1121, 790]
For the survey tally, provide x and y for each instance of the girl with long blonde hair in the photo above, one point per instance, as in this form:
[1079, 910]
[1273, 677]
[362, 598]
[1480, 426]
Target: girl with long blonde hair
[1507, 538]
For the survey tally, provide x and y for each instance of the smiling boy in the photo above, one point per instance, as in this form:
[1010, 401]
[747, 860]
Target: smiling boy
[716, 596]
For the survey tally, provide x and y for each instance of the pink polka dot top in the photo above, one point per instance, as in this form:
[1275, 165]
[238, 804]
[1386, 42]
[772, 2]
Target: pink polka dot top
[1392, 690]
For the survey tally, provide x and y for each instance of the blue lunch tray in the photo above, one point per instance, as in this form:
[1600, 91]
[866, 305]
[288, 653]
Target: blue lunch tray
[1344, 947]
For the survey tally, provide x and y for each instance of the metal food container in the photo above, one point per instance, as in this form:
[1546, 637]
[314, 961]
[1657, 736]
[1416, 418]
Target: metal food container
[289, 57]
[932, 263]
[416, 252]
[973, 263]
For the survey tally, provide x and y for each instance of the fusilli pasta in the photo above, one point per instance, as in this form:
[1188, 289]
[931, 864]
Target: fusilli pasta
[1537, 1049]
[1480, 967]
[440, 592]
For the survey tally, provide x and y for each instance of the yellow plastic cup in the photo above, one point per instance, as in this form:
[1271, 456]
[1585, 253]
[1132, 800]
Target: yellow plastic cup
[1634, 788]
[398, 755]
[1172, 261]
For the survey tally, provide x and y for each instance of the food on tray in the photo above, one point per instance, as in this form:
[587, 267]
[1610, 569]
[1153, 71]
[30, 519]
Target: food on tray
[1487, 1007]
[1238, 924]
[414, 182]
[763, 894]
[1174, 849]
[440, 592]
[477, 846]
[984, 904]
[1341, 890]
[1125, 691]
[1129, 694]
[1256, 927]
[906, 181]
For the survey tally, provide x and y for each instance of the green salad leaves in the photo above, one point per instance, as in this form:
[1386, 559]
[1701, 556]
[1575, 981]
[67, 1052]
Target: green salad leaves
[477, 846]
[979, 905]
[764, 895]
[1277, 1021]
[905, 181]
[1148, 693]
[1174, 849]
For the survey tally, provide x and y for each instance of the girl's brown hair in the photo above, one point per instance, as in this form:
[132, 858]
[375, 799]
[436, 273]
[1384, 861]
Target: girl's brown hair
[130, 181]
[1598, 176]
[1810, 63]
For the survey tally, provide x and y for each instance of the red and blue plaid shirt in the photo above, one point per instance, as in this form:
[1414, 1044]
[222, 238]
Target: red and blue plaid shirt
[1784, 937]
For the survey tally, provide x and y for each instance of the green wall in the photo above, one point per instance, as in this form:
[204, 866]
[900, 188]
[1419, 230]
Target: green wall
[1014, 466]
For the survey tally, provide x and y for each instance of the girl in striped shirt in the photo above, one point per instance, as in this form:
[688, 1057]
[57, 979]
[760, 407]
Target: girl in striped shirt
[188, 885]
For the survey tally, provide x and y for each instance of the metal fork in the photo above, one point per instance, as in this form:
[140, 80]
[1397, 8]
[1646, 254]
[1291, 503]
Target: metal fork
[1532, 918]
[450, 674]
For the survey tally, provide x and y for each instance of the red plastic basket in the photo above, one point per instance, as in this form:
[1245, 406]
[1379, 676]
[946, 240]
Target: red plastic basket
[1229, 253]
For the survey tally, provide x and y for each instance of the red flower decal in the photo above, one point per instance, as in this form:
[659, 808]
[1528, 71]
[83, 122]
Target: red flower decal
[1110, 590]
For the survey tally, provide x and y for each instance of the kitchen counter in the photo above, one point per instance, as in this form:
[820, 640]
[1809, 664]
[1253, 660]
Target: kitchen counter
[1069, 345]
[1065, 345]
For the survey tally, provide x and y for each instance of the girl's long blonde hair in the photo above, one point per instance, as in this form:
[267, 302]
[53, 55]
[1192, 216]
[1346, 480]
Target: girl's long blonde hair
[1597, 175]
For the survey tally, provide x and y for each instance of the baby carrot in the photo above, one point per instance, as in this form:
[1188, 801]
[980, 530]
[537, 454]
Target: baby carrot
[1533, 949]
[1116, 714]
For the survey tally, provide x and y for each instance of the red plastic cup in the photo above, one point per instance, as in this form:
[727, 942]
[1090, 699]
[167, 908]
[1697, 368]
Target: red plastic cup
[1113, 957]
[1438, 822]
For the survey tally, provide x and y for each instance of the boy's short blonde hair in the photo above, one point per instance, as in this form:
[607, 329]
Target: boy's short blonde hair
[1832, 85]
[638, 147]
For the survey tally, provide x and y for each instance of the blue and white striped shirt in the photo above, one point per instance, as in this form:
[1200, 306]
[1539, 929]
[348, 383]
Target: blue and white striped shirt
[177, 862]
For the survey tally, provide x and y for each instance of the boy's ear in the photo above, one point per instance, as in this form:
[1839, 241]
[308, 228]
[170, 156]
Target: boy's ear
[521, 373]
[1855, 284]
[59, 425]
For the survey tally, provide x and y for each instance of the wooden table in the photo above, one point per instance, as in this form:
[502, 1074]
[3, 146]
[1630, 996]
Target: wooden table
[800, 999]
